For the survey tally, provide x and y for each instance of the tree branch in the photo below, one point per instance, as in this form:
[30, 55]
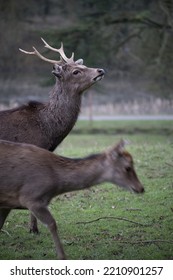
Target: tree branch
[115, 218]
[134, 20]
[169, 164]
[5, 231]
[145, 241]
[131, 36]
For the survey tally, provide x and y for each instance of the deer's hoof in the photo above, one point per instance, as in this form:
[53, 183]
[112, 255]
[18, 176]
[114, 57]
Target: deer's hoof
[34, 231]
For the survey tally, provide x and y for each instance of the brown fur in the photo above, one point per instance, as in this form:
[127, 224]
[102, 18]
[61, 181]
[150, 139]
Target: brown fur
[46, 125]
[30, 177]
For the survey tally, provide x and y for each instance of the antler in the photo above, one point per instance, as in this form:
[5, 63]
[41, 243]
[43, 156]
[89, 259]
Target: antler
[60, 51]
[35, 52]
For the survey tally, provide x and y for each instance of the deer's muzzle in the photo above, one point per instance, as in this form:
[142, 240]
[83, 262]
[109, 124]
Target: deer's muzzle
[140, 189]
[101, 73]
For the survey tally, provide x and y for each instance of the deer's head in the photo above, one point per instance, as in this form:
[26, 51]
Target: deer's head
[73, 74]
[120, 168]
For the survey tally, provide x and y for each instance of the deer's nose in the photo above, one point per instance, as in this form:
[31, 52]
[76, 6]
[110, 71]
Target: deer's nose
[101, 71]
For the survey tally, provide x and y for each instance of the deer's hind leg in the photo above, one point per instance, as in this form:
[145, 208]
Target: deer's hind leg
[3, 215]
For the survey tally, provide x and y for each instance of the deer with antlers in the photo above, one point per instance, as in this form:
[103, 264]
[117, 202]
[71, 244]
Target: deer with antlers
[47, 124]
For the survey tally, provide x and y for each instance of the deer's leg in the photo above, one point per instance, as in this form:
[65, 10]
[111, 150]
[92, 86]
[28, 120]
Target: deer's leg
[3, 215]
[33, 225]
[43, 214]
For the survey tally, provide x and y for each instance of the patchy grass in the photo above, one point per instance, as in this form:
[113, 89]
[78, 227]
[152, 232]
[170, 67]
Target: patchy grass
[106, 222]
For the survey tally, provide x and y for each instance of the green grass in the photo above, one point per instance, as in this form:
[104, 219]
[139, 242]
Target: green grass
[150, 237]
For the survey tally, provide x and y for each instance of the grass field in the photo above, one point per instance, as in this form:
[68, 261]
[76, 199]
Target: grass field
[106, 222]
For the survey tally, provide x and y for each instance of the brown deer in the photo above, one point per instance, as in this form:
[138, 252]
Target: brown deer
[30, 177]
[46, 125]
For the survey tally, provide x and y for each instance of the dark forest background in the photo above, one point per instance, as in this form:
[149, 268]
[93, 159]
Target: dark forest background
[132, 40]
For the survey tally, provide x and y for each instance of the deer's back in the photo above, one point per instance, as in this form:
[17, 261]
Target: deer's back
[23, 124]
[34, 124]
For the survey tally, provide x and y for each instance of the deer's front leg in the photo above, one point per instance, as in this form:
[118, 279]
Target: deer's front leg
[43, 214]
[33, 225]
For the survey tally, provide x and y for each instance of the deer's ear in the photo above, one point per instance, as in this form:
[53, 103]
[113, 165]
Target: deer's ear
[57, 71]
[79, 61]
[118, 149]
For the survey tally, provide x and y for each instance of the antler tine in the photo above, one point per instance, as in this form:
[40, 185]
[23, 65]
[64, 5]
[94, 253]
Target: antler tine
[60, 51]
[44, 58]
[35, 52]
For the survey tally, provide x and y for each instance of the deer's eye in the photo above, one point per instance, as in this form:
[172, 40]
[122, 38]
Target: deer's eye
[76, 72]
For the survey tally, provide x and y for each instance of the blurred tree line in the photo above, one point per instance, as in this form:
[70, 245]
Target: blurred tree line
[133, 40]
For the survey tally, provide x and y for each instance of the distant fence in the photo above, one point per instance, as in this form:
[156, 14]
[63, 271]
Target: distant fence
[154, 106]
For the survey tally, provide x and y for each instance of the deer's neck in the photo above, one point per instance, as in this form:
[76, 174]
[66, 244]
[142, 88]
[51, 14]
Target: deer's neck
[78, 174]
[64, 105]
[60, 114]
